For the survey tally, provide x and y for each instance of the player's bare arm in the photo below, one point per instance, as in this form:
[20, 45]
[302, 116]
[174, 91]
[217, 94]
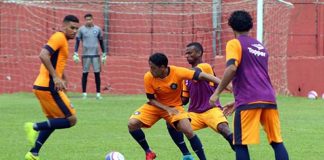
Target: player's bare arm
[228, 76]
[46, 60]
[211, 78]
[170, 110]
[65, 80]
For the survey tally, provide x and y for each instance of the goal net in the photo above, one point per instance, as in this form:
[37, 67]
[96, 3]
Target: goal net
[133, 30]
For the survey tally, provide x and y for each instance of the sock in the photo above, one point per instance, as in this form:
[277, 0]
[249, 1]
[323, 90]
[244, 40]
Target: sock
[42, 137]
[197, 147]
[139, 136]
[57, 123]
[84, 81]
[177, 138]
[280, 151]
[98, 94]
[229, 139]
[84, 94]
[97, 79]
[242, 152]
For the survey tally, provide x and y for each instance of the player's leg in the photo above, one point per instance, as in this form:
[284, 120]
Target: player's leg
[224, 130]
[271, 125]
[145, 116]
[182, 123]
[246, 131]
[96, 69]
[58, 109]
[184, 126]
[86, 61]
[215, 119]
[178, 139]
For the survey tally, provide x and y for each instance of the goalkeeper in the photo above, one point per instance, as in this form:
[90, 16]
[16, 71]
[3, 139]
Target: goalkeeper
[90, 35]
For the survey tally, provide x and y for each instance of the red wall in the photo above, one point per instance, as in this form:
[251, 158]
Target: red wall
[305, 48]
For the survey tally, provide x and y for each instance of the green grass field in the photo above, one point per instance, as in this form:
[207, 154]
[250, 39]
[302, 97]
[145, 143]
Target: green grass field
[102, 127]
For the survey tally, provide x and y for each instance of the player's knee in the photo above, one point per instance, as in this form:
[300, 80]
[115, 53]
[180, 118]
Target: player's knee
[223, 129]
[72, 120]
[188, 132]
[133, 124]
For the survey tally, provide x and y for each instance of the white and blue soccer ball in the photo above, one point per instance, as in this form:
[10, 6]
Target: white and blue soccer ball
[312, 95]
[114, 156]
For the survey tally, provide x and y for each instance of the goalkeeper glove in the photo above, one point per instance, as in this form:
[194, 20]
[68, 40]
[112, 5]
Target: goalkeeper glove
[104, 58]
[76, 57]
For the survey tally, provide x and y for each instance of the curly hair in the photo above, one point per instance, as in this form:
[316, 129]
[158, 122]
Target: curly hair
[240, 21]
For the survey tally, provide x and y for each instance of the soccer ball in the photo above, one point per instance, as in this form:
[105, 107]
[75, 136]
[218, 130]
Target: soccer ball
[114, 156]
[312, 95]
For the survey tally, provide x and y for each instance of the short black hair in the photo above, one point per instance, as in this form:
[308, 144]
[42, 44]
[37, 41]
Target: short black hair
[88, 15]
[71, 18]
[159, 59]
[197, 46]
[240, 21]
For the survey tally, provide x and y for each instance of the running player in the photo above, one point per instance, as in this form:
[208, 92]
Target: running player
[49, 88]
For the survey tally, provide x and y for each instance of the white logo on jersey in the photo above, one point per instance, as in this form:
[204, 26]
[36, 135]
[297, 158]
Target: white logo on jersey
[258, 46]
[256, 52]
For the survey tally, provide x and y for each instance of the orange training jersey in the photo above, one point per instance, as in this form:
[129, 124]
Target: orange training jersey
[57, 46]
[168, 90]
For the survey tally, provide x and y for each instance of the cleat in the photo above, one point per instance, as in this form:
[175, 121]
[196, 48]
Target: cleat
[150, 155]
[30, 132]
[84, 97]
[187, 157]
[30, 156]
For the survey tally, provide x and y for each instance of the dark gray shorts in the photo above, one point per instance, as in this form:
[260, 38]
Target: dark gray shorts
[94, 61]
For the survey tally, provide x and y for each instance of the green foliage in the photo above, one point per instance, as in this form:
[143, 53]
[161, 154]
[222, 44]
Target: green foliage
[102, 127]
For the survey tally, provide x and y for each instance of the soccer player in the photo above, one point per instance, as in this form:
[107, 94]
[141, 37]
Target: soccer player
[90, 35]
[255, 102]
[202, 114]
[49, 88]
[163, 86]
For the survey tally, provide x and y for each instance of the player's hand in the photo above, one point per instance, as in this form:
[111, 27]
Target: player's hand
[59, 84]
[213, 98]
[229, 87]
[104, 58]
[172, 111]
[228, 109]
[76, 58]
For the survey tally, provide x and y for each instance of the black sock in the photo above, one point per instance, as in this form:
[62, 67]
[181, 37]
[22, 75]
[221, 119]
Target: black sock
[84, 82]
[139, 136]
[229, 139]
[280, 151]
[42, 137]
[98, 81]
[242, 152]
[177, 138]
[57, 123]
[197, 147]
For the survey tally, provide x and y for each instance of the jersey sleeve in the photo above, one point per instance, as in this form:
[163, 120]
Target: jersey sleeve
[55, 42]
[148, 84]
[206, 68]
[186, 73]
[233, 52]
[100, 35]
